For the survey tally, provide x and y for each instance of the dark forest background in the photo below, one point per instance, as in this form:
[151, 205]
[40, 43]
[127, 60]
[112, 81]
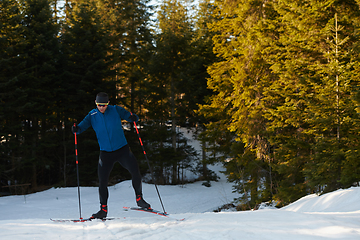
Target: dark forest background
[270, 88]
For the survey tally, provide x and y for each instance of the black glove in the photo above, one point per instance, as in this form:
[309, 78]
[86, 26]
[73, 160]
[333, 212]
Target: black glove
[74, 128]
[133, 118]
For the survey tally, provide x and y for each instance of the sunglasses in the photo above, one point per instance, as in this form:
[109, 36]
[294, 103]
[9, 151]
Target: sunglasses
[102, 104]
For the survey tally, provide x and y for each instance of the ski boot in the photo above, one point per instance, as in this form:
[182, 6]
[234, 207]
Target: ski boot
[101, 214]
[141, 202]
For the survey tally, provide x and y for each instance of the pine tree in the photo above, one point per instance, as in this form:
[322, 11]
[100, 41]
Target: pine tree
[35, 52]
[239, 80]
[195, 87]
[335, 123]
[284, 91]
[350, 173]
[85, 44]
[287, 98]
[11, 45]
[86, 72]
[129, 24]
[308, 103]
[169, 66]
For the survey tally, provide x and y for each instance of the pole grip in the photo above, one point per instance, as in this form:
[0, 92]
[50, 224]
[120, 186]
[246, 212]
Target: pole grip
[76, 152]
[75, 135]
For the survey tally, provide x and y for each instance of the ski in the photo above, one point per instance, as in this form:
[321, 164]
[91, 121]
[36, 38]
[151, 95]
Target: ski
[150, 210]
[84, 219]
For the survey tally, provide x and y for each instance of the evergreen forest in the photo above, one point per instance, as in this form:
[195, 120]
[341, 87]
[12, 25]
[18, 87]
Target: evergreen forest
[270, 88]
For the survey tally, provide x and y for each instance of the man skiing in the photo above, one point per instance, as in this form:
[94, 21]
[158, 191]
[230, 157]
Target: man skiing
[105, 119]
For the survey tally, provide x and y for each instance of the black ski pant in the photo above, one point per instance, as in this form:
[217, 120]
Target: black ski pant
[126, 158]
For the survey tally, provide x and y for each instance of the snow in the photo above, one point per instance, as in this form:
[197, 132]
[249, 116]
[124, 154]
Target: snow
[334, 215]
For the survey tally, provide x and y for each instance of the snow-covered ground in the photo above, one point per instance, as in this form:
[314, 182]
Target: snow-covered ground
[331, 216]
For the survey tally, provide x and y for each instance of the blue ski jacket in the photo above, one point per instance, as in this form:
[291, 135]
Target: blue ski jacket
[107, 126]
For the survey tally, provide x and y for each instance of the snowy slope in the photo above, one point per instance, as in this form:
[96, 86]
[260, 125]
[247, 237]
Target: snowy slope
[339, 201]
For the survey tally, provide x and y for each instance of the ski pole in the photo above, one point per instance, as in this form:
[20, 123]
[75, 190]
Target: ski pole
[151, 171]
[77, 172]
